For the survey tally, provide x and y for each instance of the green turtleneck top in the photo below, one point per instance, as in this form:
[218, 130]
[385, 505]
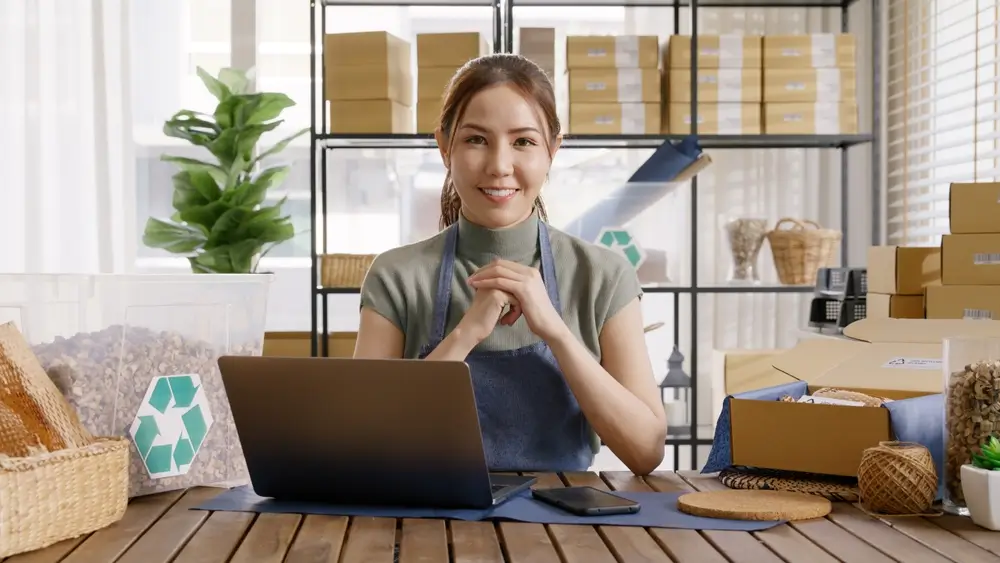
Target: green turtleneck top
[594, 283]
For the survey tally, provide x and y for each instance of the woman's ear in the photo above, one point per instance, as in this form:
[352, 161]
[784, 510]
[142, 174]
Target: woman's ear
[439, 138]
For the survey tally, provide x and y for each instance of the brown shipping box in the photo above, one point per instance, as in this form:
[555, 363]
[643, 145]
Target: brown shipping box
[974, 302]
[612, 51]
[715, 51]
[370, 116]
[725, 85]
[818, 50]
[714, 119]
[970, 259]
[538, 44]
[449, 49]
[428, 114]
[883, 306]
[903, 270]
[974, 208]
[739, 370]
[621, 85]
[614, 119]
[804, 118]
[810, 85]
[891, 358]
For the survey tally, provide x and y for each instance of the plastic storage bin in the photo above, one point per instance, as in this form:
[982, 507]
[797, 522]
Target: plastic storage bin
[136, 356]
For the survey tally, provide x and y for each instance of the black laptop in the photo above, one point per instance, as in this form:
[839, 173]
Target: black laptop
[362, 432]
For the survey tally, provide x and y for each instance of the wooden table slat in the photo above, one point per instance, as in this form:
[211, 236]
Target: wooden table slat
[423, 541]
[475, 542]
[370, 540]
[268, 540]
[217, 539]
[575, 543]
[161, 542]
[319, 540]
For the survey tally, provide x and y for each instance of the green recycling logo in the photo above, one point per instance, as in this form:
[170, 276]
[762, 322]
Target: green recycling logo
[622, 242]
[171, 424]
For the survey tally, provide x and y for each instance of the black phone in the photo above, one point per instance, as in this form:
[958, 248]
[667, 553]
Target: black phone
[586, 501]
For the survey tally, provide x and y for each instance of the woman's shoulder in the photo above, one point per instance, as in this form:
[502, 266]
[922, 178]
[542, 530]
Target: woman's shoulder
[417, 255]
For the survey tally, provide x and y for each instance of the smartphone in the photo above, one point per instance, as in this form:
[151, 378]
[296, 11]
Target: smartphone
[586, 501]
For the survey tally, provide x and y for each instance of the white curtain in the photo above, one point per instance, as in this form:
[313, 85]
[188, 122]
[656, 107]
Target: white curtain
[67, 152]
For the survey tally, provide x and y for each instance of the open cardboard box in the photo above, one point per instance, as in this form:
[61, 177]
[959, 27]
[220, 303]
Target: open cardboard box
[899, 359]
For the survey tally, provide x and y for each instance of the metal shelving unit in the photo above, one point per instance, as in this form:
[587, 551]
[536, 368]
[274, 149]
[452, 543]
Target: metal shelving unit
[503, 41]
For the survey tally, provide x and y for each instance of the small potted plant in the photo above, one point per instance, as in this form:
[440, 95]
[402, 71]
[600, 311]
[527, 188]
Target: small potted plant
[981, 485]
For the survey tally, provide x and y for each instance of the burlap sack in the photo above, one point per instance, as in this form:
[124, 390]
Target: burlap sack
[30, 397]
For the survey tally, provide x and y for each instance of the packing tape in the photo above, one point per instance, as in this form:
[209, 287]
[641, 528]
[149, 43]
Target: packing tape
[626, 51]
[730, 51]
[828, 85]
[730, 85]
[730, 119]
[824, 50]
[633, 119]
[629, 85]
[827, 118]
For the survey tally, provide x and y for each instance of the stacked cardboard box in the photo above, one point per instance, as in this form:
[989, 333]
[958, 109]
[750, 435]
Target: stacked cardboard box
[810, 84]
[538, 45]
[439, 56]
[970, 256]
[729, 79]
[898, 277]
[368, 83]
[613, 84]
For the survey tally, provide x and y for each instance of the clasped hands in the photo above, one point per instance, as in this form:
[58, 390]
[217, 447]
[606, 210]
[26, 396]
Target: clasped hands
[503, 283]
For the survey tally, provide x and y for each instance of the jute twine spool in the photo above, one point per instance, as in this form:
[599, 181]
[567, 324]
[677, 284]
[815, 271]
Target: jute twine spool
[897, 478]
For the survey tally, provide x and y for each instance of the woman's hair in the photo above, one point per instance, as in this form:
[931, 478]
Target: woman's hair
[481, 73]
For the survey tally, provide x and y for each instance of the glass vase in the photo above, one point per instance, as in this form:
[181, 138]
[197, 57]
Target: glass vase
[745, 236]
[971, 408]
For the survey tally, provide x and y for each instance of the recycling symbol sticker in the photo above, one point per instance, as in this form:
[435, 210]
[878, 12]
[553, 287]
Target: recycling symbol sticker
[622, 242]
[171, 424]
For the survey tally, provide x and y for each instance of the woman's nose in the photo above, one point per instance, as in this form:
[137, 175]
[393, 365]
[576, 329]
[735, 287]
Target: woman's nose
[501, 162]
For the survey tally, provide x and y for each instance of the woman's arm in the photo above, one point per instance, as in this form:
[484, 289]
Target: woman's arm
[619, 395]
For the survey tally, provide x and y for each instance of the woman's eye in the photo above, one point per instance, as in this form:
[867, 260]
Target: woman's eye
[476, 139]
[524, 142]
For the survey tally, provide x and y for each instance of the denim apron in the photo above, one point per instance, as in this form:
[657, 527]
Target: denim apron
[529, 418]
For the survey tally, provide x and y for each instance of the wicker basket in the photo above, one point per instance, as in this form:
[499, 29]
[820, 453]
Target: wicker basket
[800, 252]
[51, 497]
[344, 270]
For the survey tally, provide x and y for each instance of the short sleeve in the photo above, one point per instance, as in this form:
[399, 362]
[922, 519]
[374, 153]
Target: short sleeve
[381, 292]
[623, 287]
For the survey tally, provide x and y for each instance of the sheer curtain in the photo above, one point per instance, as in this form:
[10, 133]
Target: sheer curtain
[65, 203]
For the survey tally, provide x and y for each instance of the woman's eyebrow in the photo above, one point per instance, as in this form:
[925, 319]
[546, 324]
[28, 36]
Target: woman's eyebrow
[482, 129]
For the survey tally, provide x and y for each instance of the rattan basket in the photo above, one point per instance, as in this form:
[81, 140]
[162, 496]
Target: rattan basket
[801, 251]
[54, 496]
[344, 270]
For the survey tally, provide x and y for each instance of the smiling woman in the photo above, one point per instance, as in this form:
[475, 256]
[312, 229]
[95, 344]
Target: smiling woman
[550, 325]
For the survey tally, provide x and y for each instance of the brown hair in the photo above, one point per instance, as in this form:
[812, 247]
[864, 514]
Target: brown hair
[479, 74]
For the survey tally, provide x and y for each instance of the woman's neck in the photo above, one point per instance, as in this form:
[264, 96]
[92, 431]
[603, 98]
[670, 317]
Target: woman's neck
[518, 243]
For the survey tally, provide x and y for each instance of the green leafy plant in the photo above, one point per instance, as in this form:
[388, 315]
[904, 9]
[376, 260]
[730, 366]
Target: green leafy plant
[988, 456]
[220, 220]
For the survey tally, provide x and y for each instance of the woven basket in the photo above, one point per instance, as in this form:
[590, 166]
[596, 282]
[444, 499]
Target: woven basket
[51, 497]
[800, 252]
[344, 270]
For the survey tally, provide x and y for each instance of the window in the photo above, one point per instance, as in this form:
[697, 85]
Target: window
[942, 110]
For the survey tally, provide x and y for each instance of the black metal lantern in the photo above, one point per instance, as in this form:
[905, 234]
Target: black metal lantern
[675, 393]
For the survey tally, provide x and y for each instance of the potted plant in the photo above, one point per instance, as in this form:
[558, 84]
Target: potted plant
[981, 485]
[220, 222]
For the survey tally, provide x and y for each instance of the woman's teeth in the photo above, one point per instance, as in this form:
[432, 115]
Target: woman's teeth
[499, 193]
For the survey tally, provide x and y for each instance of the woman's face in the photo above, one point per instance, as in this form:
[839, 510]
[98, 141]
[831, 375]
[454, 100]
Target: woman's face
[499, 157]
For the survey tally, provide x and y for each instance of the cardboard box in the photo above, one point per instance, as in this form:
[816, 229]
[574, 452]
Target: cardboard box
[614, 119]
[714, 119]
[974, 208]
[811, 118]
[892, 358]
[432, 82]
[538, 44]
[726, 85]
[299, 344]
[883, 306]
[428, 113]
[369, 82]
[450, 49]
[715, 51]
[621, 85]
[366, 48]
[612, 51]
[970, 259]
[817, 50]
[810, 85]
[973, 302]
[370, 116]
[903, 270]
[739, 370]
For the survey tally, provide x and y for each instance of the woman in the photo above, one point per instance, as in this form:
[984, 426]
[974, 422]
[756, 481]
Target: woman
[550, 325]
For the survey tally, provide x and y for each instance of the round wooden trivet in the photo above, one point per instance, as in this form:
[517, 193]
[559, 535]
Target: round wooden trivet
[754, 505]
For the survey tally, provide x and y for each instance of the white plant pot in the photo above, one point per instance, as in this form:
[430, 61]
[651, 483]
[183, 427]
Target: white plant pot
[981, 488]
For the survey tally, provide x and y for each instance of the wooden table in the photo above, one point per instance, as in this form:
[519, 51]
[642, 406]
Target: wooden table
[161, 528]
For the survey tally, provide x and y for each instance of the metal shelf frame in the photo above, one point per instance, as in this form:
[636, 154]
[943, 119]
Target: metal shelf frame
[503, 41]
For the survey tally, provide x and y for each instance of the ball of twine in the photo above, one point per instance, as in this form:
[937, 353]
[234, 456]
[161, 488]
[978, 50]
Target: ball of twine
[897, 478]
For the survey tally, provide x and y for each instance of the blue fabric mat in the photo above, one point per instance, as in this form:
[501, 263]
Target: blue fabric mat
[658, 510]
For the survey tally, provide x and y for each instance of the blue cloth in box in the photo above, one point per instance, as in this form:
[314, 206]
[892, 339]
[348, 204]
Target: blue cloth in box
[919, 420]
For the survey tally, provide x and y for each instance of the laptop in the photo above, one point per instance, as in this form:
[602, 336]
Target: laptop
[363, 432]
